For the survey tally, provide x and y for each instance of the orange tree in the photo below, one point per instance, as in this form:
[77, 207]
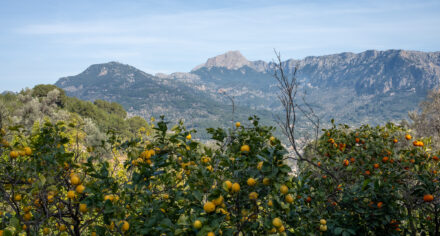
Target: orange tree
[178, 186]
[383, 181]
[48, 188]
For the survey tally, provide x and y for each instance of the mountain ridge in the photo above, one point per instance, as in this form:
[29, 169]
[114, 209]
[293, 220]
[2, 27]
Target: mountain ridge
[368, 87]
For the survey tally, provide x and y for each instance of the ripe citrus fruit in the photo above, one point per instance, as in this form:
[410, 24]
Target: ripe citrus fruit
[188, 137]
[62, 228]
[228, 184]
[74, 179]
[83, 208]
[251, 182]
[27, 216]
[408, 137]
[323, 221]
[218, 201]
[253, 196]
[277, 222]
[80, 188]
[197, 224]
[284, 189]
[209, 207]
[289, 198]
[266, 181]
[245, 148]
[125, 226]
[428, 198]
[281, 229]
[17, 197]
[13, 154]
[237, 124]
[71, 194]
[323, 228]
[235, 187]
[270, 203]
[28, 151]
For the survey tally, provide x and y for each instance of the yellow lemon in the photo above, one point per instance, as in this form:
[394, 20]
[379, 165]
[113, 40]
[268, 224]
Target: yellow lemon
[28, 151]
[323, 221]
[71, 194]
[197, 224]
[83, 208]
[277, 222]
[251, 182]
[260, 165]
[228, 184]
[245, 148]
[188, 137]
[289, 198]
[284, 189]
[253, 196]
[235, 187]
[237, 124]
[62, 228]
[266, 181]
[281, 229]
[27, 216]
[13, 154]
[74, 179]
[218, 201]
[80, 188]
[125, 226]
[209, 207]
[17, 197]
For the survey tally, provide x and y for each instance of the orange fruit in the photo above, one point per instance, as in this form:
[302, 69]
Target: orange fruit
[83, 208]
[284, 189]
[209, 207]
[253, 196]
[385, 159]
[428, 198]
[408, 137]
[251, 182]
[13, 154]
[245, 148]
[277, 222]
[235, 187]
[80, 188]
[379, 204]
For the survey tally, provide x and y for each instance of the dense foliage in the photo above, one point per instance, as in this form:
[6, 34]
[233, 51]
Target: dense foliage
[366, 181]
[60, 174]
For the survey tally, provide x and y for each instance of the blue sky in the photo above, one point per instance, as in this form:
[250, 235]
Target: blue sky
[41, 41]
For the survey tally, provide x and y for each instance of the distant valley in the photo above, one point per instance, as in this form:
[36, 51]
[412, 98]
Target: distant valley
[369, 87]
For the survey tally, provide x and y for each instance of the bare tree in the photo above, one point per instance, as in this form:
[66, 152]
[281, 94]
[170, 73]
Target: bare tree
[293, 109]
[426, 123]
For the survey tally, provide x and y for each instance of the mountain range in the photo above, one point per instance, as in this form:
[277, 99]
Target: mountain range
[369, 87]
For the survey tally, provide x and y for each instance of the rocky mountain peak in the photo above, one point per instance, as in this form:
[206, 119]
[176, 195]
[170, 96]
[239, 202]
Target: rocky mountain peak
[231, 60]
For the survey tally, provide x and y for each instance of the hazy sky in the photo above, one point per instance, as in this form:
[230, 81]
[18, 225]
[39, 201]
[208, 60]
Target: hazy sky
[41, 41]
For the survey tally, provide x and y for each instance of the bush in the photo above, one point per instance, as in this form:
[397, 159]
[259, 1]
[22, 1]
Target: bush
[365, 181]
